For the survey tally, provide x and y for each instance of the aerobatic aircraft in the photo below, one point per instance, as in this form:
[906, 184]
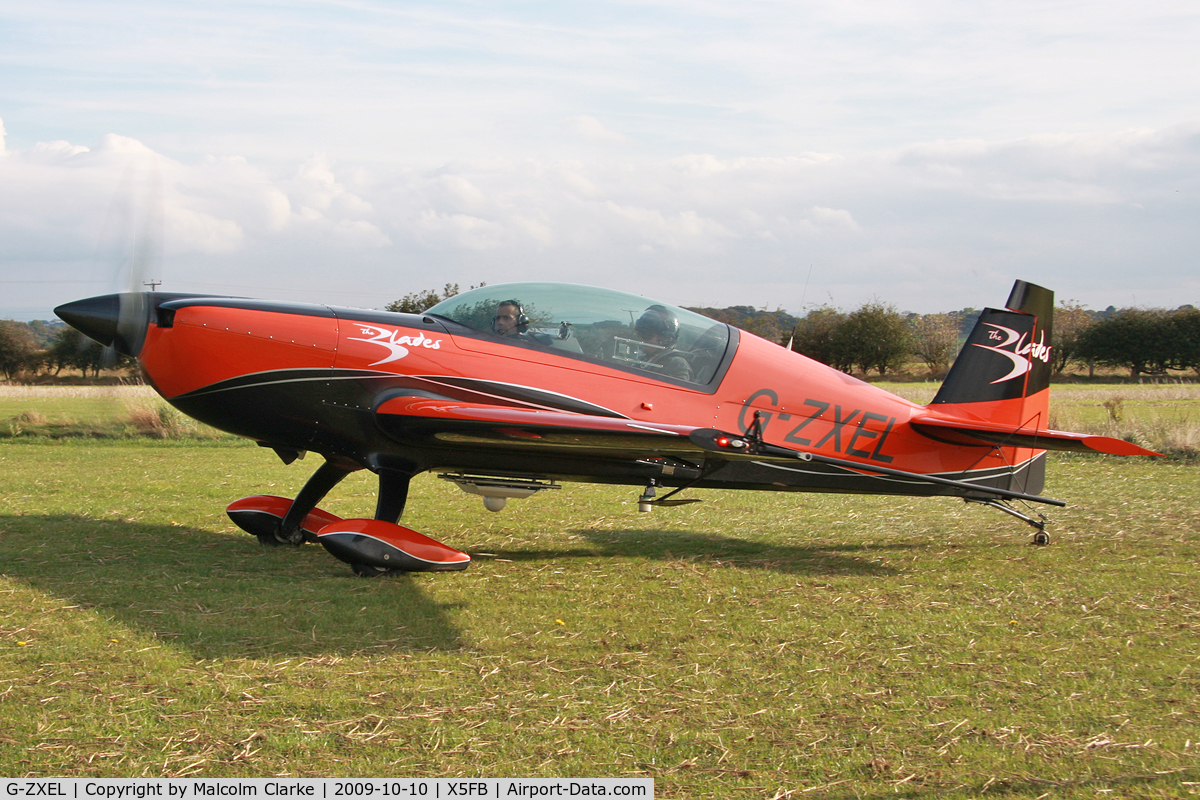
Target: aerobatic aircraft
[514, 389]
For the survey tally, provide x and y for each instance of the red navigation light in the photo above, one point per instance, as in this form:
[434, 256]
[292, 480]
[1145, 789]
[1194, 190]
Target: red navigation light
[723, 441]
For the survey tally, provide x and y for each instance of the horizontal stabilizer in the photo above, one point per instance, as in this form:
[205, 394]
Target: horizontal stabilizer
[976, 433]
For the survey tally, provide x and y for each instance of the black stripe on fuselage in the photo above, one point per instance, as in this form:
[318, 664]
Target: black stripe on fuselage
[464, 389]
[527, 394]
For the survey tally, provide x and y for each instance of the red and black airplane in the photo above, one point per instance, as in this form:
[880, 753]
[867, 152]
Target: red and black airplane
[511, 389]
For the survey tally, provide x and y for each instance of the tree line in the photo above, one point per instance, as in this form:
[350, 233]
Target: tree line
[874, 338]
[877, 338]
[30, 349]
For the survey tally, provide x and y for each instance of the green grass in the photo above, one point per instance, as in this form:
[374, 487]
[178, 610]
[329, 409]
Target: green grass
[749, 646]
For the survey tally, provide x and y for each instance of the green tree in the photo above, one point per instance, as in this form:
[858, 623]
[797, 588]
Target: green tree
[878, 337]
[1071, 321]
[767, 327]
[775, 326]
[817, 336]
[1137, 339]
[64, 349]
[935, 341]
[418, 302]
[44, 332]
[1184, 331]
[17, 348]
[72, 350]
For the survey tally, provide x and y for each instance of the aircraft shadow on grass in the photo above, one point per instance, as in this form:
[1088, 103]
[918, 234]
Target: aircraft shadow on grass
[219, 595]
[670, 545]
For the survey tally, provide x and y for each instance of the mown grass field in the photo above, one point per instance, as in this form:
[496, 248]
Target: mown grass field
[753, 645]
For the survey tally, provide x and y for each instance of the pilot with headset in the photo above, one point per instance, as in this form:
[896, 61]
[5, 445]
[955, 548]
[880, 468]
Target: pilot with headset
[510, 319]
[511, 322]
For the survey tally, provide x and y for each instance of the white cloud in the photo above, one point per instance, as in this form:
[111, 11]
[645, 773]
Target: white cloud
[457, 192]
[592, 129]
[421, 84]
[834, 218]
[695, 149]
[1100, 218]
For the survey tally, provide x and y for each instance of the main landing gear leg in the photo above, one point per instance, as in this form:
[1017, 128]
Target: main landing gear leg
[393, 494]
[320, 484]
[389, 507]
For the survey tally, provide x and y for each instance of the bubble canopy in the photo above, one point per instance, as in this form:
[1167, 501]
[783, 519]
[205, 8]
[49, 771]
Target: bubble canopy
[671, 343]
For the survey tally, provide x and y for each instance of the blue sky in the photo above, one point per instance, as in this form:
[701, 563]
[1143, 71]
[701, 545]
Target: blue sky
[770, 154]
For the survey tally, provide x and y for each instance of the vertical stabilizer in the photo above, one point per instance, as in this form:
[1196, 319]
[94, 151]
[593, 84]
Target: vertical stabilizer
[1002, 375]
[1007, 355]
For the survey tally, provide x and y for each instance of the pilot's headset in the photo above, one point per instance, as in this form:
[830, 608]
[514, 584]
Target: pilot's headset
[522, 320]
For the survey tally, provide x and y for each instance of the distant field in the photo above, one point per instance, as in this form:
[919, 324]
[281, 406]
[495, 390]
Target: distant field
[80, 403]
[753, 645]
[92, 412]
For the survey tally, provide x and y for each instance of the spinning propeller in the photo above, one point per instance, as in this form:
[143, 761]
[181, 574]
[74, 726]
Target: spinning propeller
[118, 321]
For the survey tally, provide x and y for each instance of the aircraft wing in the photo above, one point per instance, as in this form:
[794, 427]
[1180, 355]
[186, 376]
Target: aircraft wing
[970, 432]
[454, 422]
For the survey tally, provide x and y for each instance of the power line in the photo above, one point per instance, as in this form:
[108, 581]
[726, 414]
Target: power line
[99, 281]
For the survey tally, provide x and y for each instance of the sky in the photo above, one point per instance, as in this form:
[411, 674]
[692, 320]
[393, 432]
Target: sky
[775, 154]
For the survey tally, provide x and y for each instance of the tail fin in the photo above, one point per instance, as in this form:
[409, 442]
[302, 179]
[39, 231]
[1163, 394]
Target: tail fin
[1002, 376]
[1005, 362]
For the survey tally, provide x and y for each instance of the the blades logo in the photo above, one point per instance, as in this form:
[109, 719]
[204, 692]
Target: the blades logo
[1012, 345]
[396, 344]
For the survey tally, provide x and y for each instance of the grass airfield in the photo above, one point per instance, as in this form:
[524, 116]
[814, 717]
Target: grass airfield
[753, 645]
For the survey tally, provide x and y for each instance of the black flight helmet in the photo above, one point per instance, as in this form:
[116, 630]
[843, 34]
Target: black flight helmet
[658, 322]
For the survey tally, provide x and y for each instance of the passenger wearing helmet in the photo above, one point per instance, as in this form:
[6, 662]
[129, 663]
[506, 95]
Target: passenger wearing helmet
[658, 329]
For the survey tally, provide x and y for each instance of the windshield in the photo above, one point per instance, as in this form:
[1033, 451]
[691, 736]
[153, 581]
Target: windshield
[618, 328]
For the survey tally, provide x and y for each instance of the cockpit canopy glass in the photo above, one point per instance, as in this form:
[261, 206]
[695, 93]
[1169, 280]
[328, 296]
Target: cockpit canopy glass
[620, 329]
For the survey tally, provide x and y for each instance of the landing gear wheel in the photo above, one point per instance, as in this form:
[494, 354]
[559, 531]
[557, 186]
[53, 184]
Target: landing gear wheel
[270, 540]
[1041, 539]
[367, 571]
